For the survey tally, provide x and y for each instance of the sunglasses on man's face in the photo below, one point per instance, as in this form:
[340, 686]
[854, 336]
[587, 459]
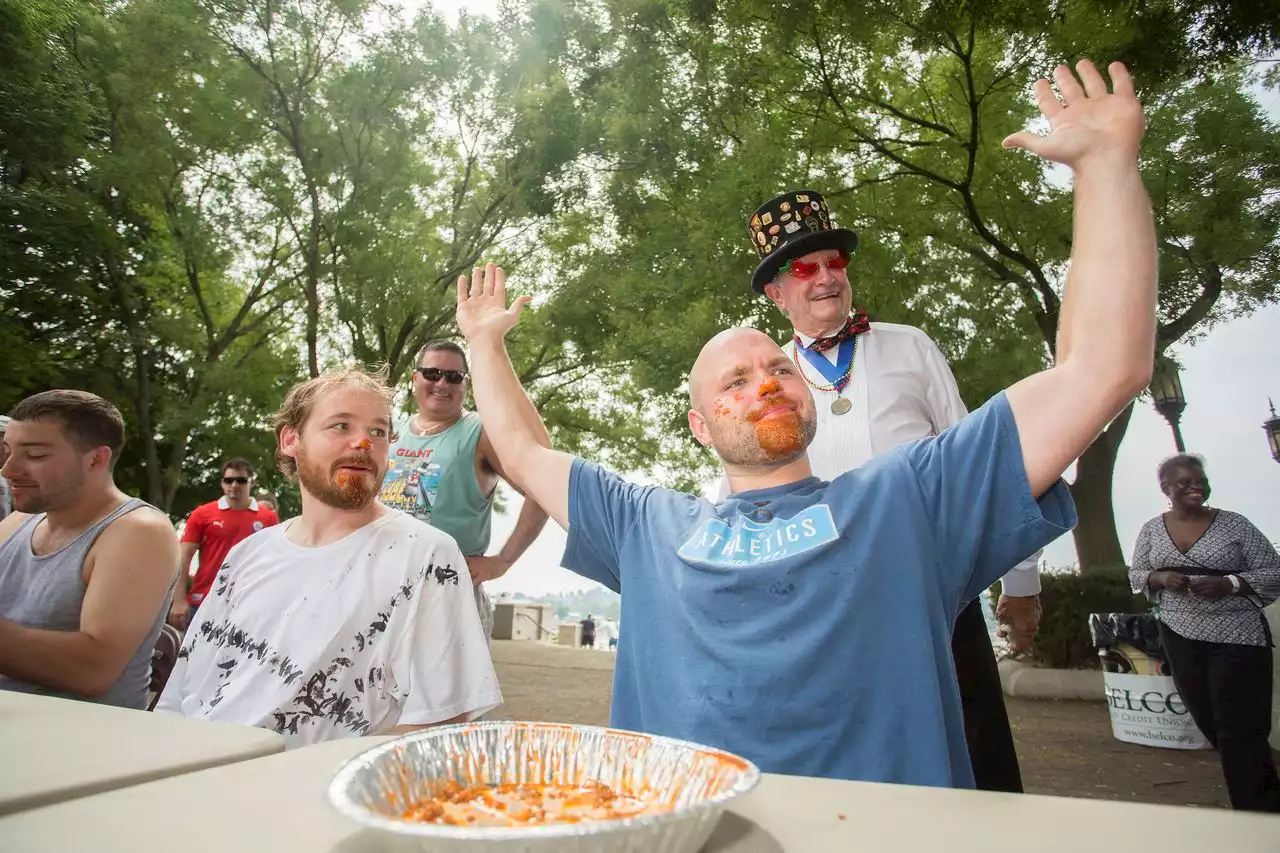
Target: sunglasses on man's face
[239, 481]
[435, 374]
[803, 269]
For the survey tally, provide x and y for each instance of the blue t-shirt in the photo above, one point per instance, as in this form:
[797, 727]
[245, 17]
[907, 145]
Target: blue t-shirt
[807, 627]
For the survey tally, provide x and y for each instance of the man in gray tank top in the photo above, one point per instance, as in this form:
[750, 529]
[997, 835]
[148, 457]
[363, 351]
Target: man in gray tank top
[85, 570]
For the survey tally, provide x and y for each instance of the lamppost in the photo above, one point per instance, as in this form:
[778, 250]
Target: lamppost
[1166, 392]
[1272, 428]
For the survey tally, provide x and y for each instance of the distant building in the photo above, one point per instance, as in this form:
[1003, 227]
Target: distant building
[523, 620]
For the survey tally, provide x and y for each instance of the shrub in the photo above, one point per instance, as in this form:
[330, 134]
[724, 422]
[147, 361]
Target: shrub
[1063, 640]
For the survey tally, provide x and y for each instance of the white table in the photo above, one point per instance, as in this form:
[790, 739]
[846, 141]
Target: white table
[278, 804]
[58, 749]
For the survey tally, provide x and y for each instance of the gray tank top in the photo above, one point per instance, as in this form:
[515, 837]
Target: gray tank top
[48, 592]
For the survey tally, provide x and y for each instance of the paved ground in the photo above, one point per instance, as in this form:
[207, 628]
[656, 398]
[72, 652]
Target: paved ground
[1066, 748]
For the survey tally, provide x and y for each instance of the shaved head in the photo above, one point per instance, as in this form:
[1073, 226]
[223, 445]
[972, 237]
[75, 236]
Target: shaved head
[716, 352]
[748, 401]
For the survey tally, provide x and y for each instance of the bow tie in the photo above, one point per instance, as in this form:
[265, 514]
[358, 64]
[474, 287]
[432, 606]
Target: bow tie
[855, 325]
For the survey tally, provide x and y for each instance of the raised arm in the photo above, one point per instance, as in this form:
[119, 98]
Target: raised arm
[1106, 331]
[529, 523]
[541, 473]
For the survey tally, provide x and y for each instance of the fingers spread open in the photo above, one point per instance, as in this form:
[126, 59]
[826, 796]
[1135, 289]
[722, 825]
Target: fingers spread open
[1068, 85]
[1121, 82]
[1049, 104]
[1094, 85]
[1025, 140]
[490, 279]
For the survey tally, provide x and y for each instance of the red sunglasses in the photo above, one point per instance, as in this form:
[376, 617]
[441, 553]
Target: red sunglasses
[803, 269]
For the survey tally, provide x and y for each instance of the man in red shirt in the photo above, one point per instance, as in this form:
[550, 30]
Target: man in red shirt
[213, 529]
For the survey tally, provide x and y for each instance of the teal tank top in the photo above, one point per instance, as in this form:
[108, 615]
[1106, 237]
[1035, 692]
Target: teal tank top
[433, 478]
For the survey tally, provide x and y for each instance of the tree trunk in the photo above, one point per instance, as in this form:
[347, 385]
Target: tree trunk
[146, 428]
[173, 470]
[312, 287]
[1097, 543]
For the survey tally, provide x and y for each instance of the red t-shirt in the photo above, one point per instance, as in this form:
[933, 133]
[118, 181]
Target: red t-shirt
[216, 528]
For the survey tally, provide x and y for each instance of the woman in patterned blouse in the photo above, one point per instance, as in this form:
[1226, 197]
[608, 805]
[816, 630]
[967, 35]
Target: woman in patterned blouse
[1210, 572]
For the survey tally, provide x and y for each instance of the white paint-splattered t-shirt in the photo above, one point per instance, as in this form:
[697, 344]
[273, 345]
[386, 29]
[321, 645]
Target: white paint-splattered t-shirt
[376, 630]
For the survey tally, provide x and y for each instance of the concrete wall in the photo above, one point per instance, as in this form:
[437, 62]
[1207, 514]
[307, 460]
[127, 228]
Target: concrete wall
[1030, 682]
[570, 634]
[520, 621]
[503, 613]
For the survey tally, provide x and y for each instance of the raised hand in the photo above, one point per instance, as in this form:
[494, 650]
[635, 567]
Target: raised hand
[482, 304]
[1094, 124]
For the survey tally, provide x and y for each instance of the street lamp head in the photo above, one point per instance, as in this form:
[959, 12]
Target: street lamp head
[1272, 428]
[1166, 390]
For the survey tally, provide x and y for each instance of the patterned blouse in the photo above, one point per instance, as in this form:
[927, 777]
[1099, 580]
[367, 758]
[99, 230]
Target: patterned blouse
[1230, 546]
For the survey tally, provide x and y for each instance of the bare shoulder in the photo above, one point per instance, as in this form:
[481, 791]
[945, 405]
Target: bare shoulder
[9, 525]
[141, 530]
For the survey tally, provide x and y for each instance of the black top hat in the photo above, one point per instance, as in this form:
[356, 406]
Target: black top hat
[790, 226]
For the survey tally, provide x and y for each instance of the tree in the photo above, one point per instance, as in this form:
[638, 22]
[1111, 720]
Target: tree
[122, 261]
[180, 178]
[400, 156]
[895, 109]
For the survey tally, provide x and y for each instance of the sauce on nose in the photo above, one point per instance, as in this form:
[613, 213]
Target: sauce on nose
[364, 444]
[769, 386]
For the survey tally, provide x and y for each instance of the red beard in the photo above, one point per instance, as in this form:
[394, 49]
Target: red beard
[346, 490]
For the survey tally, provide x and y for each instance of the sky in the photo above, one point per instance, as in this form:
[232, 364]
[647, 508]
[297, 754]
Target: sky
[1227, 377]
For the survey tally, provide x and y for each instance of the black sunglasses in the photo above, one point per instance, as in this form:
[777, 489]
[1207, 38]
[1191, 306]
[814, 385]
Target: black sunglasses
[238, 480]
[434, 374]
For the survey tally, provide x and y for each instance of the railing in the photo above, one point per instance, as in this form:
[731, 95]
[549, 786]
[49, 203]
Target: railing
[536, 624]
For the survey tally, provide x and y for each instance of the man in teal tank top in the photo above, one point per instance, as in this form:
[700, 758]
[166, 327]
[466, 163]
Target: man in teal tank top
[444, 471]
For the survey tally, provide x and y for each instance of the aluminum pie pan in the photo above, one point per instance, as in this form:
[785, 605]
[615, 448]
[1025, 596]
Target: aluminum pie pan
[377, 786]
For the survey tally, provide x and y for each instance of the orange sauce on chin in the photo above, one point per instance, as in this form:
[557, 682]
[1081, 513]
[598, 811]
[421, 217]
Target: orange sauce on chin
[779, 435]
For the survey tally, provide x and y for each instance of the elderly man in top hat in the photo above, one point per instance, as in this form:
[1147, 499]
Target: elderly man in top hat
[876, 386]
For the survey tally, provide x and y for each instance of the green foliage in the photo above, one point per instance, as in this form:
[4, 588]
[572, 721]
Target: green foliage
[201, 197]
[203, 200]
[125, 272]
[1063, 640]
[895, 110]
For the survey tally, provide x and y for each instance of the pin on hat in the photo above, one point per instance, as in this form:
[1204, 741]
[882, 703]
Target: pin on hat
[790, 226]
